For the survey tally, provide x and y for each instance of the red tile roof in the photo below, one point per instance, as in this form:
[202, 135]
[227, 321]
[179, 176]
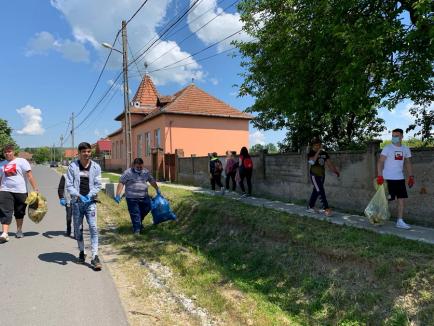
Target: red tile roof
[70, 153]
[146, 95]
[104, 145]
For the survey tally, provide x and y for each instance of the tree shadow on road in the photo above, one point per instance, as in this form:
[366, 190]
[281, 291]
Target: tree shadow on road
[61, 258]
[26, 234]
[52, 234]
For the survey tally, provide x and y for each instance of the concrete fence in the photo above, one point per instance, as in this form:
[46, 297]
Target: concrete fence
[286, 177]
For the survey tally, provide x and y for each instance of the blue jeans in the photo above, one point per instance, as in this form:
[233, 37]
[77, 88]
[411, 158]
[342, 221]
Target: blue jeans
[138, 209]
[79, 211]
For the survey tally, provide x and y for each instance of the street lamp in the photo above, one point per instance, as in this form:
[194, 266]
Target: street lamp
[128, 143]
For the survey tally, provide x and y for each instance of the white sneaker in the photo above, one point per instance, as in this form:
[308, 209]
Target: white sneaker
[311, 210]
[222, 190]
[19, 234]
[4, 238]
[402, 225]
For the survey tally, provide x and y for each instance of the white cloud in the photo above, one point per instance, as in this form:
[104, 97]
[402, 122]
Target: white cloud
[44, 42]
[257, 137]
[222, 26]
[97, 21]
[214, 81]
[32, 121]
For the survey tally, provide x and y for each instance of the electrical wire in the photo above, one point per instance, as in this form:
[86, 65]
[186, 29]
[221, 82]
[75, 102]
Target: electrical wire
[135, 62]
[137, 11]
[194, 32]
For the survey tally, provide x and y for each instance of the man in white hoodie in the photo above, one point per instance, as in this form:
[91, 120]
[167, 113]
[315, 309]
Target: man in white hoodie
[390, 168]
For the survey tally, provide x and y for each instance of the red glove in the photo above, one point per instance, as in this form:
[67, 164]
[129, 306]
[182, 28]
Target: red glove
[380, 180]
[410, 181]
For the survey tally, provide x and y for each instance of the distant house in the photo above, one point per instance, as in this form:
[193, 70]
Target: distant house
[70, 153]
[190, 122]
[103, 148]
[26, 155]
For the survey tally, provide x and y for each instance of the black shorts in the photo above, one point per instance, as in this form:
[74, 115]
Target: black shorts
[396, 189]
[12, 203]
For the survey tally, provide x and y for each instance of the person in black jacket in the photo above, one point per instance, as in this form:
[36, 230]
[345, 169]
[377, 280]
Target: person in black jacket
[65, 200]
[215, 171]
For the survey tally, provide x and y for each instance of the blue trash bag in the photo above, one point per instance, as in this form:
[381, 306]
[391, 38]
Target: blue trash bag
[160, 210]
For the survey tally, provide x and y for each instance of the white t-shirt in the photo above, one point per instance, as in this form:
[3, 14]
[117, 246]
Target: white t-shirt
[13, 175]
[394, 164]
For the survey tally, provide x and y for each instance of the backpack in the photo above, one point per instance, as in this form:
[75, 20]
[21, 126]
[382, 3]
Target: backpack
[218, 167]
[248, 163]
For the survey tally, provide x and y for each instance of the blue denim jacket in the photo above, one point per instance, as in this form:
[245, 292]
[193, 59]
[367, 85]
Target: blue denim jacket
[73, 179]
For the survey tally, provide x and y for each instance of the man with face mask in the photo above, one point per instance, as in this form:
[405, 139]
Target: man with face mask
[135, 181]
[390, 168]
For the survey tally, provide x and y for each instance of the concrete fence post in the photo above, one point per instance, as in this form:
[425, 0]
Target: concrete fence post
[372, 153]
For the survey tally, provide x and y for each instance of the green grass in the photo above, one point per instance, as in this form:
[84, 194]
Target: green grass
[253, 264]
[113, 177]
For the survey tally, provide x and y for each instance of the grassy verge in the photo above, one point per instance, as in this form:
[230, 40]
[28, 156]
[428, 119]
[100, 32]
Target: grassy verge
[113, 177]
[256, 266]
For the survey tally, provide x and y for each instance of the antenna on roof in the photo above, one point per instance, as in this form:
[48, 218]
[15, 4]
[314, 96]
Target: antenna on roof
[146, 68]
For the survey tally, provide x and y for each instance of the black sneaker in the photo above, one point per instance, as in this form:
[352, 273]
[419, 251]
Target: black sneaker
[96, 263]
[68, 232]
[81, 257]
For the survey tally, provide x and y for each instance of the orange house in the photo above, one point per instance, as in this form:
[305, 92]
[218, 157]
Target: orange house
[190, 122]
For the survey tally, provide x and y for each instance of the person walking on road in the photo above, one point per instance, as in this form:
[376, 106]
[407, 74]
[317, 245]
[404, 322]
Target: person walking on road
[231, 170]
[136, 181]
[83, 182]
[390, 168]
[215, 173]
[65, 200]
[245, 171]
[318, 159]
[13, 191]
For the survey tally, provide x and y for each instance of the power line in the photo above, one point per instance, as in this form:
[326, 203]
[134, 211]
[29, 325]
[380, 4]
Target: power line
[197, 30]
[198, 60]
[100, 75]
[137, 11]
[99, 102]
[166, 31]
[135, 63]
[204, 49]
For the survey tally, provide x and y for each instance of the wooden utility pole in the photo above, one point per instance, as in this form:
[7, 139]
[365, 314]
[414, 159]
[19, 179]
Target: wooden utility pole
[127, 129]
[72, 130]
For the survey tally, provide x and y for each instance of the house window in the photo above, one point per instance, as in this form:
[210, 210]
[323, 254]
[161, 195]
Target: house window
[157, 138]
[148, 144]
[139, 145]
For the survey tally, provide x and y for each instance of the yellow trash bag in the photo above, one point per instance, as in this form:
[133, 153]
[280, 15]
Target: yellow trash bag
[37, 206]
[377, 210]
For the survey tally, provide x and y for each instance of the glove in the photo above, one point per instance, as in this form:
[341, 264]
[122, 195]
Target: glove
[117, 199]
[85, 199]
[380, 180]
[62, 202]
[410, 181]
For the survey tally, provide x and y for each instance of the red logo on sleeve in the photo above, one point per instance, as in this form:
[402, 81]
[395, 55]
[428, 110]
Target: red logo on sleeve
[399, 155]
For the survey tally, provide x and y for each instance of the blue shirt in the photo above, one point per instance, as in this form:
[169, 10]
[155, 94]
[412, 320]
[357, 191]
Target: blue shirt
[136, 183]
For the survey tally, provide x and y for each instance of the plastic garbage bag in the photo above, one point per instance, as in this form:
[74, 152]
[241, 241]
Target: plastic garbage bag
[377, 210]
[160, 210]
[37, 206]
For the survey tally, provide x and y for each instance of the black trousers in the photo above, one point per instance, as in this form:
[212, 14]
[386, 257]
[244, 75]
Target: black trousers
[246, 174]
[318, 191]
[216, 180]
[229, 177]
[68, 210]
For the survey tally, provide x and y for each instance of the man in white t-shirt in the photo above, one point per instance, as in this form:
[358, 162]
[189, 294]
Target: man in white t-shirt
[390, 167]
[13, 191]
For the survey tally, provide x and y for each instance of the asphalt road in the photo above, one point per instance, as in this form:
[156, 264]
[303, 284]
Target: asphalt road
[40, 282]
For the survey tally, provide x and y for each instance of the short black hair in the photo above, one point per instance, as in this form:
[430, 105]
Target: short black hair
[214, 154]
[138, 160]
[315, 140]
[84, 145]
[398, 130]
[9, 147]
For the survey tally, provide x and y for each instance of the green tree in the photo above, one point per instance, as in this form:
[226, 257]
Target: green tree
[322, 68]
[257, 148]
[42, 154]
[5, 136]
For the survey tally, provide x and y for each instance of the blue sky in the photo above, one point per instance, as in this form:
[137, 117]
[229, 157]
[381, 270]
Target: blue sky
[52, 56]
